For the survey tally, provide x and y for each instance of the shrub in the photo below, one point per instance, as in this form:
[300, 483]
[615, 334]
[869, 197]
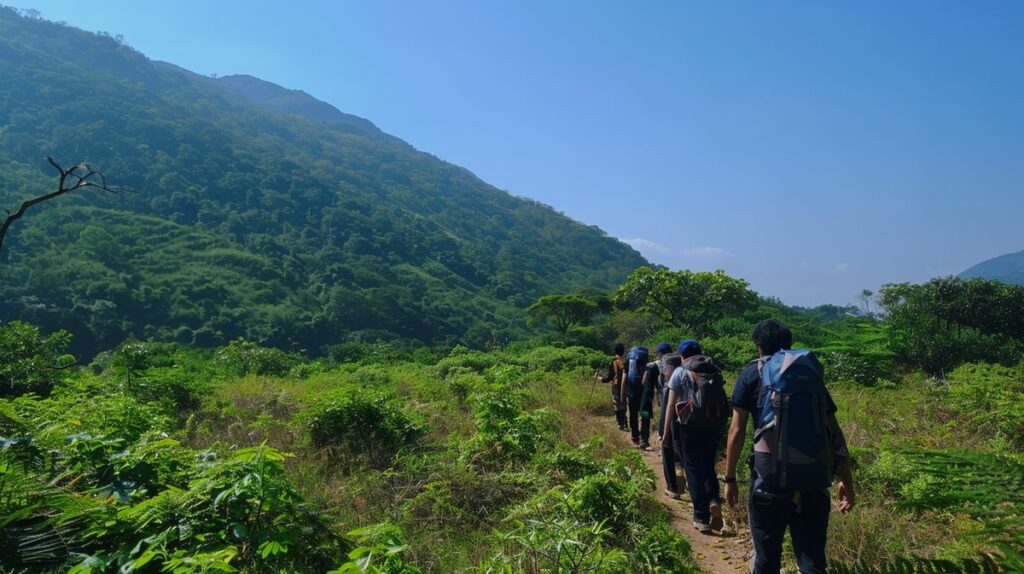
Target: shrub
[992, 396]
[248, 358]
[363, 424]
[505, 433]
[31, 362]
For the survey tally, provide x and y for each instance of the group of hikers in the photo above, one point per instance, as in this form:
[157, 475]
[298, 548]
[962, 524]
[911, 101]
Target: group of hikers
[798, 447]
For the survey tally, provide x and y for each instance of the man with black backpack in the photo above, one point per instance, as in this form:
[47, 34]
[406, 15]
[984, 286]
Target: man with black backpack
[798, 450]
[636, 366]
[701, 408]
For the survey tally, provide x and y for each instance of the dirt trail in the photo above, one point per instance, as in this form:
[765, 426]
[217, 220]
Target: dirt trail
[724, 553]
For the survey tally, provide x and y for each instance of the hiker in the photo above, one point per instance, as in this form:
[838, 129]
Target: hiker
[650, 383]
[617, 377]
[795, 456]
[636, 367]
[700, 405]
[667, 363]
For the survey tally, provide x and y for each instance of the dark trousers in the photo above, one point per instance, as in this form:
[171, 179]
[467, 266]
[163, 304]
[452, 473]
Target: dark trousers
[806, 517]
[618, 405]
[699, 449]
[668, 466]
[639, 424]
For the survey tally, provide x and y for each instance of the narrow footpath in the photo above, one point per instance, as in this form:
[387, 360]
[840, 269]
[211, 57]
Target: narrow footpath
[724, 553]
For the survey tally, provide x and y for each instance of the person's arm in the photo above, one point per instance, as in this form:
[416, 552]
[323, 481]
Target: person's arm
[622, 385]
[611, 373]
[666, 432]
[847, 495]
[737, 434]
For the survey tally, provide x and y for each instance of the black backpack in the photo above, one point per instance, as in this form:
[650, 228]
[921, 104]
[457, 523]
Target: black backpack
[703, 402]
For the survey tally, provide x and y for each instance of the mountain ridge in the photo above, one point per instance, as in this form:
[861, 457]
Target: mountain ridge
[355, 234]
[1008, 268]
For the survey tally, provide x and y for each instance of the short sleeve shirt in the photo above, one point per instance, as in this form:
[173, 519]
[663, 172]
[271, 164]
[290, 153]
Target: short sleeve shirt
[675, 383]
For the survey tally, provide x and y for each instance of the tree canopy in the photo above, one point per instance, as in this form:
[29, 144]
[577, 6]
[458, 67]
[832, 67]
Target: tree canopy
[686, 298]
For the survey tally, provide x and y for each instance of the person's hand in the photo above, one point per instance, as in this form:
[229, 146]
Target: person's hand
[732, 494]
[847, 497]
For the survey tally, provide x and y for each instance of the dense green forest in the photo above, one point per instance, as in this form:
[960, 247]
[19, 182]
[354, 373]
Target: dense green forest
[389, 458]
[255, 211]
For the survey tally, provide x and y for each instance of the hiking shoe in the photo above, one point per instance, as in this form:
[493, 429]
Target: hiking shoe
[636, 442]
[623, 428]
[702, 527]
[645, 446]
[716, 516]
[672, 494]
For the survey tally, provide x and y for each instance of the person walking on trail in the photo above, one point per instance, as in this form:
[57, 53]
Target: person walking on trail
[616, 375]
[667, 362]
[799, 449]
[697, 394]
[650, 383]
[636, 367]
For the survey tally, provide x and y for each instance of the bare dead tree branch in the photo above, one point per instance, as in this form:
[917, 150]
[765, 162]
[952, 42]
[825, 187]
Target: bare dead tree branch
[76, 177]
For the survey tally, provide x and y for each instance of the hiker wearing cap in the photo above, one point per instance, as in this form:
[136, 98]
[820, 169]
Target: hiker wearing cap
[616, 375]
[667, 362]
[697, 394]
[798, 451]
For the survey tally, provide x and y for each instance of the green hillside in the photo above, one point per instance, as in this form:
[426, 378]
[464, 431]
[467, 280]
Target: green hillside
[256, 211]
[1007, 268]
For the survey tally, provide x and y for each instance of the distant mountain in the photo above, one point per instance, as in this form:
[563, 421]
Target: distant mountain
[1007, 268]
[257, 211]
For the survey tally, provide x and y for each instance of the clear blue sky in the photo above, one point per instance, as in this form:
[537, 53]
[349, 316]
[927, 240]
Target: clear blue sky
[812, 148]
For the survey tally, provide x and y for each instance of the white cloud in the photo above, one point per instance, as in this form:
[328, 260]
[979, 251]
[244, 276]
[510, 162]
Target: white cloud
[646, 245]
[841, 267]
[707, 253]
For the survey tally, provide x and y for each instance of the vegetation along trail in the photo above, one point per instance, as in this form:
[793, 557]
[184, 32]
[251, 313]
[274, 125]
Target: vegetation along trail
[720, 553]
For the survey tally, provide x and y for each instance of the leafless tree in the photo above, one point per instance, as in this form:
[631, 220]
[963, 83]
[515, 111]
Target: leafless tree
[76, 177]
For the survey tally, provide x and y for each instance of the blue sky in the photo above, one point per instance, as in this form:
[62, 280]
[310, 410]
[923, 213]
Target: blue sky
[812, 148]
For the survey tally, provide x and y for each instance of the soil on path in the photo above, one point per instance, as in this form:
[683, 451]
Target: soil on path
[719, 553]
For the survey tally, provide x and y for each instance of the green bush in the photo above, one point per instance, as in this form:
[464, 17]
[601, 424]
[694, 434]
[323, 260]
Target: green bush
[732, 352]
[992, 397]
[363, 424]
[504, 433]
[248, 358]
[31, 362]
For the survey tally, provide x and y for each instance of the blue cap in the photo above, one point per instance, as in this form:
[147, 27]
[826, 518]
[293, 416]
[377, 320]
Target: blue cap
[663, 348]
[689, 346]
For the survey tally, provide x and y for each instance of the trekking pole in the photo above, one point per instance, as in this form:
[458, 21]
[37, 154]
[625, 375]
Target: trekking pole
[593, 385]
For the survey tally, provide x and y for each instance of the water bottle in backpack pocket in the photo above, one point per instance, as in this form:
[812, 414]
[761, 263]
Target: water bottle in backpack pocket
[795, 437]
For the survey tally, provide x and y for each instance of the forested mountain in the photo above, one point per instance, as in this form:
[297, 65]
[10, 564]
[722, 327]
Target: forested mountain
[1007, 268]
[255, 211]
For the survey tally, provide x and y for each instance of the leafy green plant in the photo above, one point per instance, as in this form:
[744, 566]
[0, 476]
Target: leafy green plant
[362, 424]
[29, 361]
[379, 551]
[246, 357]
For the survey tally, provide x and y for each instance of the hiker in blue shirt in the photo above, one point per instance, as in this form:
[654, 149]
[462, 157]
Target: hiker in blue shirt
[771, 507]
[700, 408]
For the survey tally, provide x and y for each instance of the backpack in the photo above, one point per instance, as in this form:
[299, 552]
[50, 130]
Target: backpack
[669, 363]
[794, 423]
[637, 363]
[703, 402]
